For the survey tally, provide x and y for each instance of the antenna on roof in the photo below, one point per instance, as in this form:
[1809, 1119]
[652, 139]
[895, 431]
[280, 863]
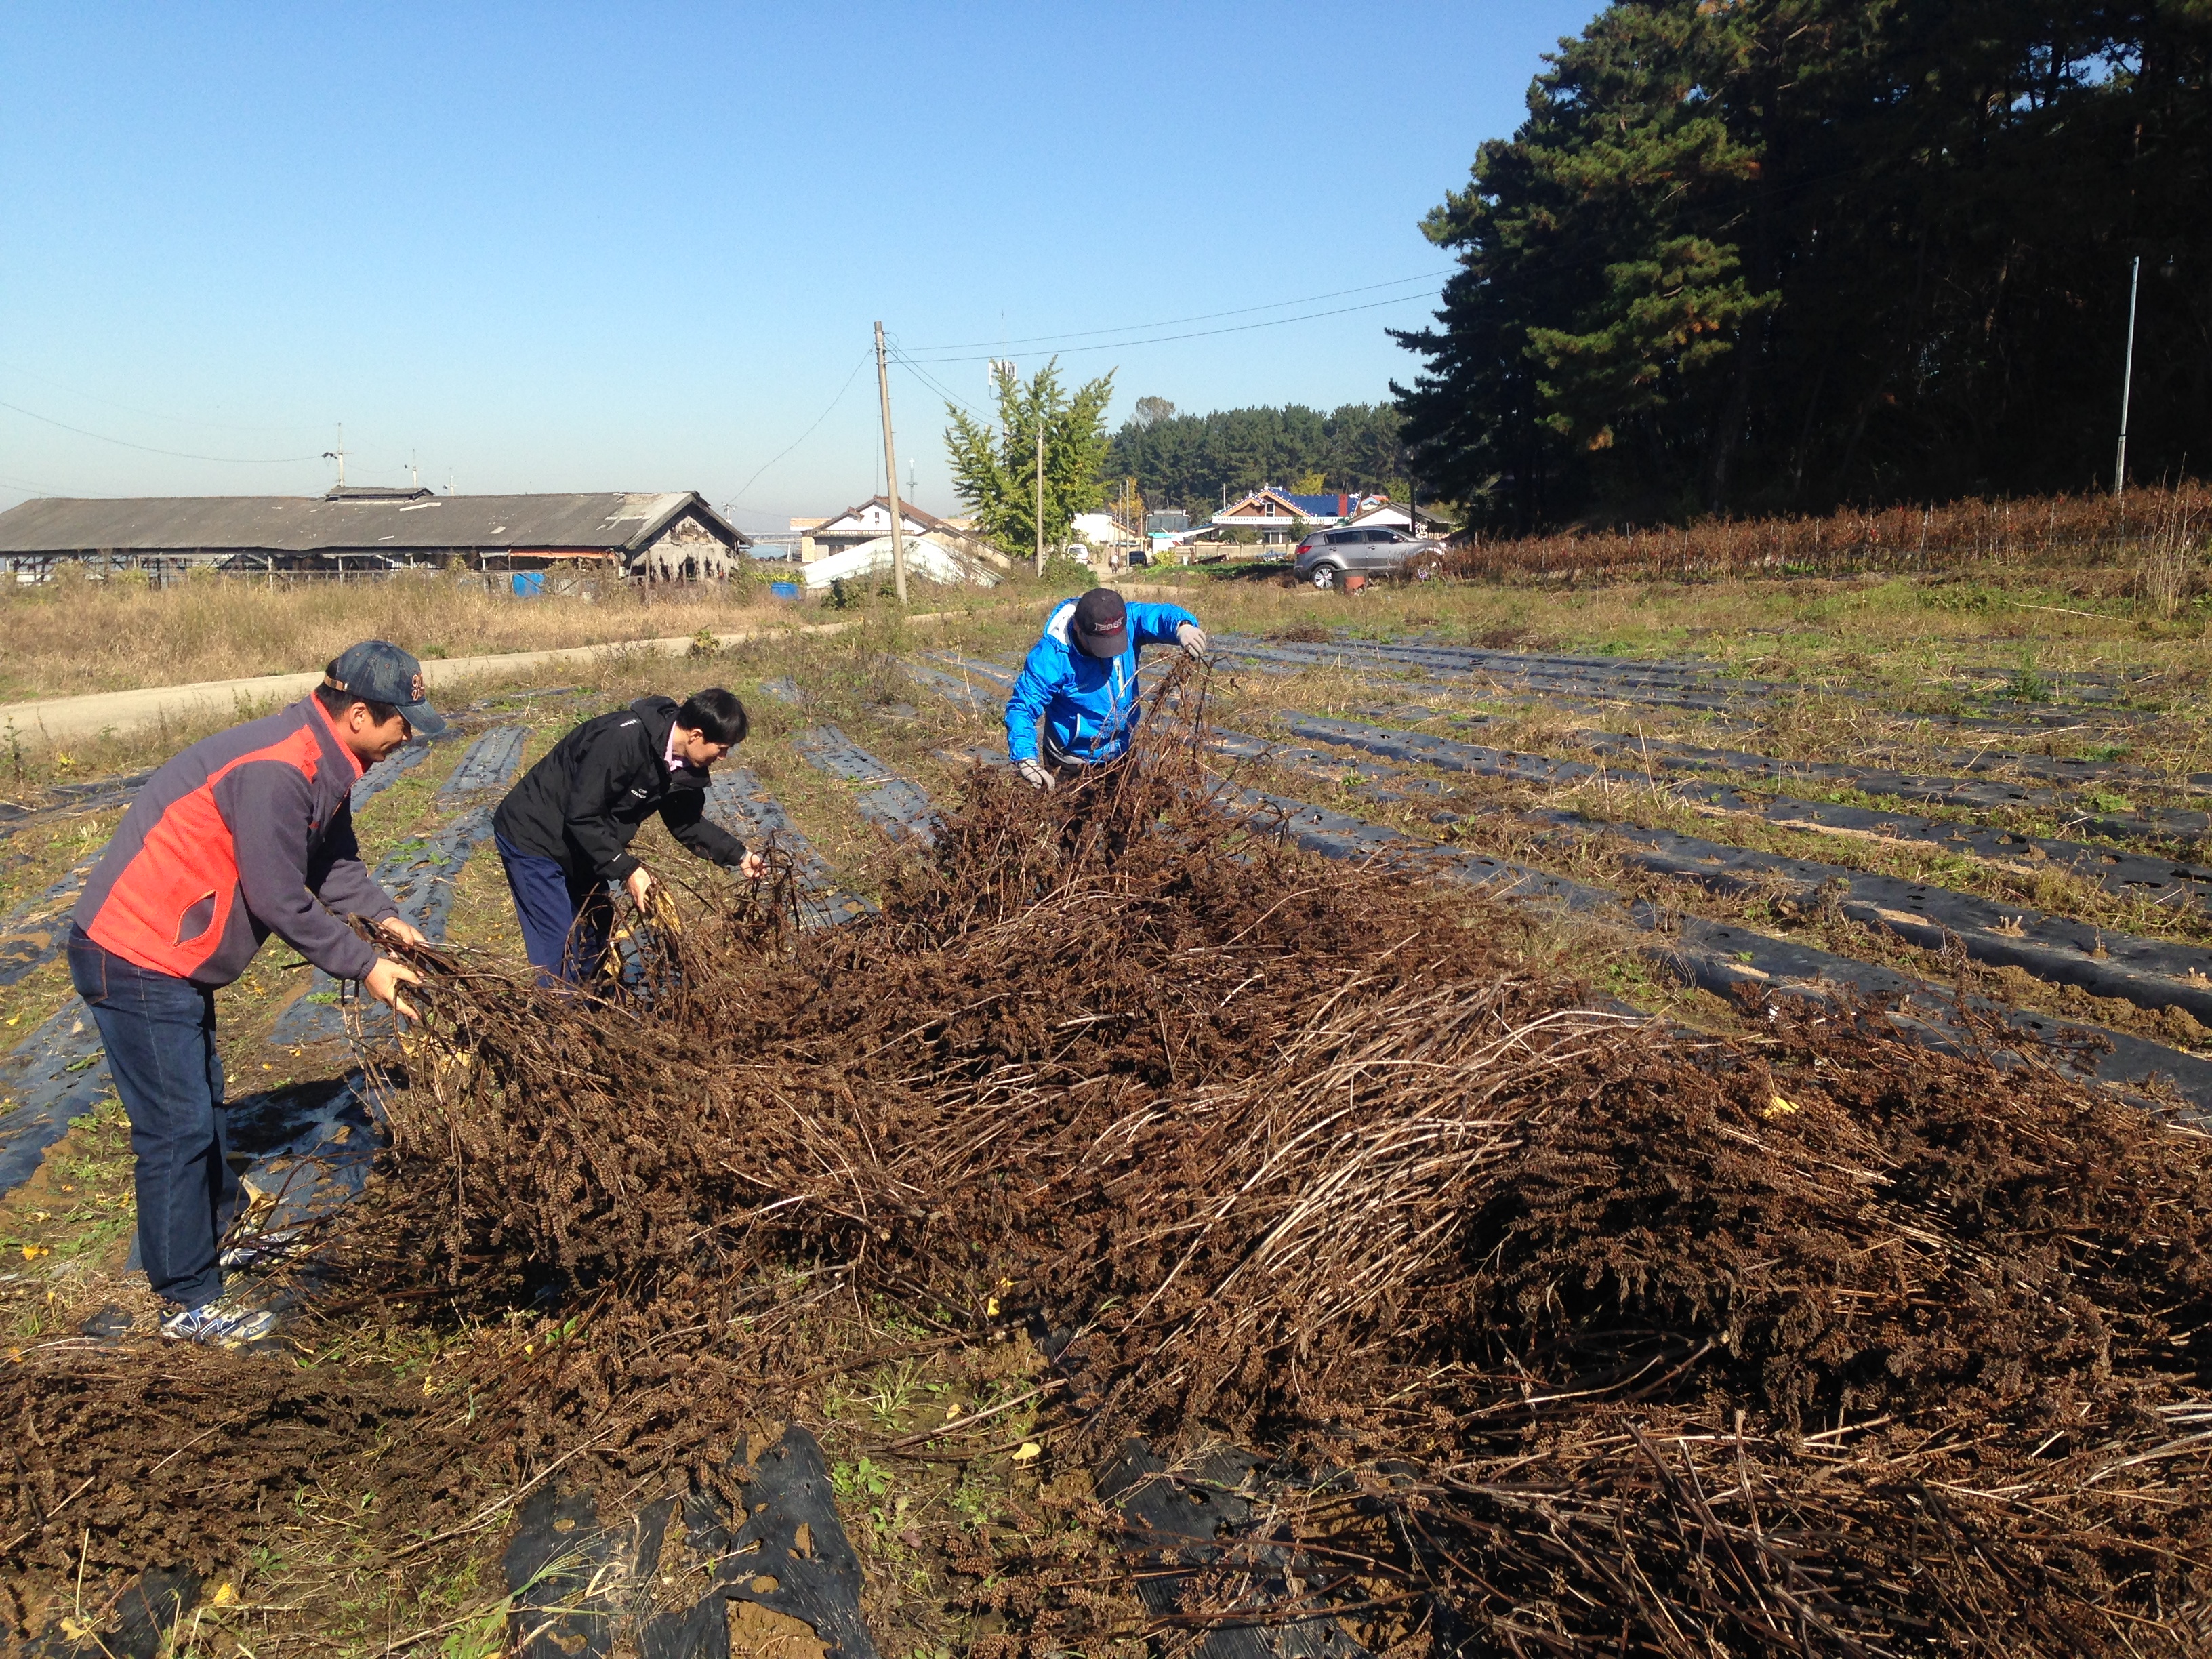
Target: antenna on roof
[413, 471]
[338, 454]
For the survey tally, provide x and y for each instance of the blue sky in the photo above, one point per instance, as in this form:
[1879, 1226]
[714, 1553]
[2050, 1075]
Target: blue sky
[641, 246]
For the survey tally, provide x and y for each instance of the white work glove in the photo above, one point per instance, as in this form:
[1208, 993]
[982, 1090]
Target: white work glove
[1034, 775]
[1192, 638]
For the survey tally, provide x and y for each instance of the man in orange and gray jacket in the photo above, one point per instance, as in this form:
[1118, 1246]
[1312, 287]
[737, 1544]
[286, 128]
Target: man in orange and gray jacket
[244, 833]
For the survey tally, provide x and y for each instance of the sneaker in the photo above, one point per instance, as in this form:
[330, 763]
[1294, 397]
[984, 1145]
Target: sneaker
[218, 1325]
[254, 1250]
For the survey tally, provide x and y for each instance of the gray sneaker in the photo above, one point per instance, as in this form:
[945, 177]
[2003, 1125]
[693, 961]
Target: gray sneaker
[218, 1325]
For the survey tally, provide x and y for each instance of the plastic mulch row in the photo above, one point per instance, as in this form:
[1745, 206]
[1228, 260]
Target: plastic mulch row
[490, 762]
[1696, 681]
[2158, 824]
[386, 772]
[2118, 871]
[1600, 680]
[885, 799]
[1189, 1527]
[2153, 973]
[1717, 956]
[36, 930]
[54, 1077]
[73, 800]
[962, 688]
[782, 1567]
[737, 801]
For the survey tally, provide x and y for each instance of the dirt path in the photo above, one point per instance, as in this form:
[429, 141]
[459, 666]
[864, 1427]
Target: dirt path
[54, 719]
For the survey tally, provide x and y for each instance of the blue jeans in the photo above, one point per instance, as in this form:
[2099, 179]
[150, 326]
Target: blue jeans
[159, 1034]
[564, 918]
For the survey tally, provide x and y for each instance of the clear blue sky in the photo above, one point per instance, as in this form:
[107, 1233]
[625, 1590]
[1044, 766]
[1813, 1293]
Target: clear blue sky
[562, 246]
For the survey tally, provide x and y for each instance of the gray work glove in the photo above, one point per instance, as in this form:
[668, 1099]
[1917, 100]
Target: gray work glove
[1192, 638]
[1034, 775]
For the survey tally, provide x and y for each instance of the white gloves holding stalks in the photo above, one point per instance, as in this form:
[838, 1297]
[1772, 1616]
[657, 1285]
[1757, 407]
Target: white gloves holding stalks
[1034, 775]
[1192, 638]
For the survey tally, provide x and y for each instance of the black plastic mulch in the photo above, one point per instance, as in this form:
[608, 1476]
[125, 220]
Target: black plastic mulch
[885, 798]
[662, 1582]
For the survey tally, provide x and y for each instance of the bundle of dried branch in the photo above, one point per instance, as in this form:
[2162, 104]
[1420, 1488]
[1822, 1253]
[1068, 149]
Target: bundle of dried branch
[1613, 1338]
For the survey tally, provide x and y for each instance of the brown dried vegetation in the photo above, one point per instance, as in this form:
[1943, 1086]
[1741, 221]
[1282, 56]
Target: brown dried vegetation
[1588, 1335]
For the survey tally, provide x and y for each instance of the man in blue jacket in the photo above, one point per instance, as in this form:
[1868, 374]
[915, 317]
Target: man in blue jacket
[1080, 681]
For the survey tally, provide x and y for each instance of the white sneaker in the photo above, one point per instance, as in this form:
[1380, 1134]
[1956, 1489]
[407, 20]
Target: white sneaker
[213, 1323]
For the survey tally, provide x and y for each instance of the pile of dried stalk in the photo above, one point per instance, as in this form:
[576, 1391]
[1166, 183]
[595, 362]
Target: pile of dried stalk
[1608, 1338]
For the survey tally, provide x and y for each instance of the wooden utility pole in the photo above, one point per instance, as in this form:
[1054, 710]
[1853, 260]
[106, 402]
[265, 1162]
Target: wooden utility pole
[891, 474]
[1040, 493]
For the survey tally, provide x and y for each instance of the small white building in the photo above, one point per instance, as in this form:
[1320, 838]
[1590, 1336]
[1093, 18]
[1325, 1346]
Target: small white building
[928, 557]
[823, 538]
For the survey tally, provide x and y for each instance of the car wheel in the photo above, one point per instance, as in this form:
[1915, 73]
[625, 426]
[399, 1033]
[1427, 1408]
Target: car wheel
[1325, 575]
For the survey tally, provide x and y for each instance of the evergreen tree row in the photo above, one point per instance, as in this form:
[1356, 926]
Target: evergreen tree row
[1197, 462]
[1758, 255]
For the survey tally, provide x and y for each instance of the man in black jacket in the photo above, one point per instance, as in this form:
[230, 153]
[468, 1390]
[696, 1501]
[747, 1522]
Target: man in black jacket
[564, 831]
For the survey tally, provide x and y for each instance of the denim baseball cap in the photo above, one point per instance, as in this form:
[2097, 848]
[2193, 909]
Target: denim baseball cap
[378, 671]
[1102, 624]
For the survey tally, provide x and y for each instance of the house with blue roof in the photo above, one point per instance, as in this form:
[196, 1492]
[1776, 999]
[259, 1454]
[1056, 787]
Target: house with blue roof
[1281, 517]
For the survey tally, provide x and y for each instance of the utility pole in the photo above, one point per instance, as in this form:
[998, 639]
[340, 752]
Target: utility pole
[1040, 493]
[2127, 383]
[891, 474]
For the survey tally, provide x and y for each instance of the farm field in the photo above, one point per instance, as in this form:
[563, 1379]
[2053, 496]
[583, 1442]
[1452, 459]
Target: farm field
[1759, 873]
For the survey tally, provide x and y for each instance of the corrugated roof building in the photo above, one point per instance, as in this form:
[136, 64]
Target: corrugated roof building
[671, 536]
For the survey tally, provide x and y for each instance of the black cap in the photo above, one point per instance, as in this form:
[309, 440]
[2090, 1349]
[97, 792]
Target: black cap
[376, 670]
[1102, 624]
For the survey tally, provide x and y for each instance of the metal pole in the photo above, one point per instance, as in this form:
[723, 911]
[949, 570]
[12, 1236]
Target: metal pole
[890, 474]
[1040, 492]
[2127, 383]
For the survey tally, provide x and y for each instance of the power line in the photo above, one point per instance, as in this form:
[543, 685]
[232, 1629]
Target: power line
[803, 436]
[132, 409]
[179, 455]
[935, 384]
[1199, 334]
[39, 489]
[1177, 322]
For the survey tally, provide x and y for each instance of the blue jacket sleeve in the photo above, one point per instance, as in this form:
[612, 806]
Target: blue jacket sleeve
[1156, 624]
[1032, 694]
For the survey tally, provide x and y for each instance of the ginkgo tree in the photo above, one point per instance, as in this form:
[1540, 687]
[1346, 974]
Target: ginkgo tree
[995, 466]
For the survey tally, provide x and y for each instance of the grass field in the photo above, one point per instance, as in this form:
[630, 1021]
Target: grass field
[1879, 662]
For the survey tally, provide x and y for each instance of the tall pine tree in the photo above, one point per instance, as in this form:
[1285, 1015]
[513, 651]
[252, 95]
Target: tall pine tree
[1771, 254]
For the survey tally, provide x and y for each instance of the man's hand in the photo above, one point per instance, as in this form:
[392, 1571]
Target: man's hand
[1034, 775]
[404, 931]
[639, 884]
[1192, 638]
[384, 982]
[752, 867]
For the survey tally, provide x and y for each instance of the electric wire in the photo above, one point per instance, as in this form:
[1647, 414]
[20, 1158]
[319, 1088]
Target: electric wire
[150, 449]
[1202, 333]
[132, 409]
[803, 436]
[1177, 322]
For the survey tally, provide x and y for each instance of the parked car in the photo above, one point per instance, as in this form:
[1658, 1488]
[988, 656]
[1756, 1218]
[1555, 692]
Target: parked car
[1327, 557]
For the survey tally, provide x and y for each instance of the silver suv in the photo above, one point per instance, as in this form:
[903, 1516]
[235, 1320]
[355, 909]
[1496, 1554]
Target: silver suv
[1327, 557]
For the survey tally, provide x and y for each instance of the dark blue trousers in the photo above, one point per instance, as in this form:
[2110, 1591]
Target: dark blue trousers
[159, 1034]
[564, 918]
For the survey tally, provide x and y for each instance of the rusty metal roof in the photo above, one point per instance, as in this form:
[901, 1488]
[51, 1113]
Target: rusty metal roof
[351, 523]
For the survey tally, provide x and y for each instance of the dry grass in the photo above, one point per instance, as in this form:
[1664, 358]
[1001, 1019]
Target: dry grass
[2052, 531]
[79, 635]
